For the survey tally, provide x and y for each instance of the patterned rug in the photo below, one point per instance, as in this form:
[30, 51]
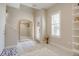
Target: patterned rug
[8, 52]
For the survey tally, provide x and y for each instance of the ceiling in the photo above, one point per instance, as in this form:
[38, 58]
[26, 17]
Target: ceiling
[15, 5]
[32, 5]
[39, 5]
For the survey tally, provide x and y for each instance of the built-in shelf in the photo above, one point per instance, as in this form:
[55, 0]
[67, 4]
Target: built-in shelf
[75, 50]
[76, 14]
[75, 21]
[75, 29]
[75, 43]
[75, 8]
[75, 36]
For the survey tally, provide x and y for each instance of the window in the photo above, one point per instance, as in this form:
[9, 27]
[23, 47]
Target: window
[56, 24]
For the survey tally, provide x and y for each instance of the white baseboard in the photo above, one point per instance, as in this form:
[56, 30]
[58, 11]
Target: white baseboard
[10, 46]
[62, 47]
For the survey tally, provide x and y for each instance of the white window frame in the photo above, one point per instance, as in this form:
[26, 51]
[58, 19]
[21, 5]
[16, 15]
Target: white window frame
[54, 25]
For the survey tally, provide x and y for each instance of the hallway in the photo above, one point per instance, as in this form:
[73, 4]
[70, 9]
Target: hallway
[39, 29]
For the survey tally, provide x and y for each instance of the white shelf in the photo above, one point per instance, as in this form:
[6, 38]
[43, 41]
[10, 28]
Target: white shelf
[75, 21]
[75, 36]
[75, 8]
[75, 50]
[76, 14]
[75, 43]
[75, 29]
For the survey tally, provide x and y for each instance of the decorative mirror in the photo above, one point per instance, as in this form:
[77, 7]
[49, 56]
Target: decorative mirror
[25, 30]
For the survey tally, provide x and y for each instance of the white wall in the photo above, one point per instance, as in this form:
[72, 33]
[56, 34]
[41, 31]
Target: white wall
[2, 25]
[65, 39]
[14, 15]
